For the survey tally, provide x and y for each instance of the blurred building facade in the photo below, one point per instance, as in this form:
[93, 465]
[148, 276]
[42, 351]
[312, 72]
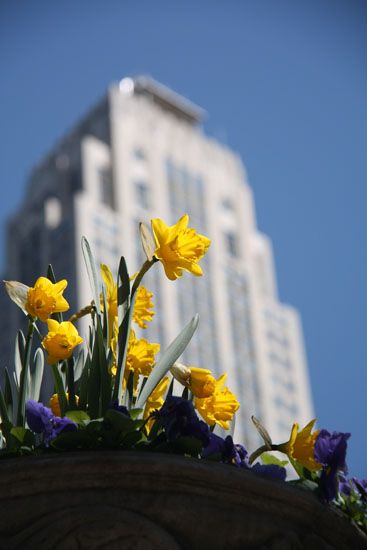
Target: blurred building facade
[142, 153]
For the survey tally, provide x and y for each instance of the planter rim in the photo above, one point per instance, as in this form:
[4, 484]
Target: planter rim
[170, 478]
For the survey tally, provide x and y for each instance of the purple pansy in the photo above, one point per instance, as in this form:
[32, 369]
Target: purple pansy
[178, 418]
[273, 471]
[232, 453]
[41, 420]
[345, 486]
[330, 451]
[228, 451]
[361, 485]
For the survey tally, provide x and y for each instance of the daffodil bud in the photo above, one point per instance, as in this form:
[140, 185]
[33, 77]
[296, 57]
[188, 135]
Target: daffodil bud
[181, 373]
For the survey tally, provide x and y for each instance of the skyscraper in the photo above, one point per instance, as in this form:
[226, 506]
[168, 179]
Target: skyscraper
[142, 153]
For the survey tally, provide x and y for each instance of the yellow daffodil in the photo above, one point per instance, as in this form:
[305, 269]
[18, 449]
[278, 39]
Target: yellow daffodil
[200, 381]
[301, 445]
[143, 307]
[111, 291]
[111, 299]
[179, 247]
[46, 298]
[143, 302]
[140, 357]
[60, 341]
[55, 405]
[155, 401]
[220, 407]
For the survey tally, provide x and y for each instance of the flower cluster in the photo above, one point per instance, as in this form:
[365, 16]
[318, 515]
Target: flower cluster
[41, 420]
[122, 391]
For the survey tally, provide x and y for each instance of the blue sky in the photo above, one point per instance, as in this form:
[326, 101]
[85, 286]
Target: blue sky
[285, 85]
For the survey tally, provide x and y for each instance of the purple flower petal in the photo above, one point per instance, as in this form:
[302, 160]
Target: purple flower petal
[38, 416]
[330, 451]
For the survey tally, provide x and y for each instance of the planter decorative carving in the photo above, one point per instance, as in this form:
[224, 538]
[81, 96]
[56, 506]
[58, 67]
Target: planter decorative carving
[121, 500]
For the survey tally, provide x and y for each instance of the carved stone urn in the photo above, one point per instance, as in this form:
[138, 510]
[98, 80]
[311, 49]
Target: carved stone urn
[121, 500]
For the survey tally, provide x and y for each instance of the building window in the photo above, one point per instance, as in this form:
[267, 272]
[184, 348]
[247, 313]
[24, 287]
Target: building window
[231, 244]
[227, 204]
[139, 153]
[53, 212]
[106, 186]
[142, 194]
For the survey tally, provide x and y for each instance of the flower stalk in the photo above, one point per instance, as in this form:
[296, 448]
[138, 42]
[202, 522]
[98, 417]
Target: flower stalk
[263, 449]
[71, 383]
[144, 268]
[90, 309]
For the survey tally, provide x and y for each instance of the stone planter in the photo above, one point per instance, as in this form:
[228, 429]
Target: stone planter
[122, 500]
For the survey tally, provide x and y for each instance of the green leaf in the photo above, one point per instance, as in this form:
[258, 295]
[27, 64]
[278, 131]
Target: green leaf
[94, 427]
[36, 375]
[135, 413]
[129, 440]
[105, 376]
[303, 472]
[79, 439]
[8, 394]
[18, 432]
[79, 417]
[23, 436]
[94, 382]
[122, 423]
[123, 289]
[271, 459]
[84, 383]
[232, 425]
[79, 364]
[24, 376]
[123, 337]
[188, 445]
[60, 388]
[6, 422]
[93, 274]
[172, 353]
[19, 354]
[185, 394]
[105, 324]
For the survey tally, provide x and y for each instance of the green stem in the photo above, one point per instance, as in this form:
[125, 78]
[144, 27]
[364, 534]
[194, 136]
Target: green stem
[71, 383]
[125, 327]
[60, 390]
[144, 268]
[82, 312]
[24, 374]
[261, 450]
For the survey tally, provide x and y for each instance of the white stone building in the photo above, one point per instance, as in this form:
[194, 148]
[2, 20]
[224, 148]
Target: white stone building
[141, 153]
